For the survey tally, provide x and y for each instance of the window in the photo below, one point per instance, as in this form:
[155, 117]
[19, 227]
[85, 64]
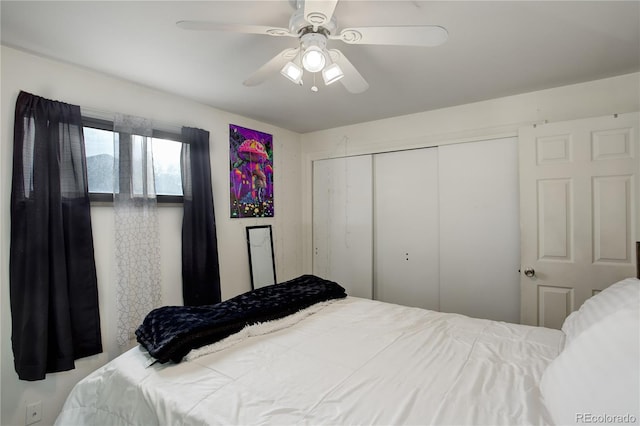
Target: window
[100, 152]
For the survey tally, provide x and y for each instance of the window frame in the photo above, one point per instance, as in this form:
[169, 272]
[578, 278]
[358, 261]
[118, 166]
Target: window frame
[101, 124]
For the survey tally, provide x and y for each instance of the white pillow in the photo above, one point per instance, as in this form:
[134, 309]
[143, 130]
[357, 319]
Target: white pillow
[596, 379]
[617, 296]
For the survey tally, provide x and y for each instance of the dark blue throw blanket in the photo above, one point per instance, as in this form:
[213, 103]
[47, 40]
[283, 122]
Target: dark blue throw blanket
[170, 332]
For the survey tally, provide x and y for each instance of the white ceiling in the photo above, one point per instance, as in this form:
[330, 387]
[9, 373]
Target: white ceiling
[494, 49]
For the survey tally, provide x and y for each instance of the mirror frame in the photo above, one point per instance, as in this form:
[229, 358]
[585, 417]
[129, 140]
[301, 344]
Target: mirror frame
[253, 255]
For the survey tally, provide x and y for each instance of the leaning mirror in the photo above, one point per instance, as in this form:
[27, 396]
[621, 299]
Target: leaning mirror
[262, 264]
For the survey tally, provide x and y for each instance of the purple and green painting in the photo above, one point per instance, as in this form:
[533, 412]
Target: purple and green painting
[251, 166]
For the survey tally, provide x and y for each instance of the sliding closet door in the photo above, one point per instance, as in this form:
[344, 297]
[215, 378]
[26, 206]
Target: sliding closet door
[406, 227]
[342, 223]
[479, 229]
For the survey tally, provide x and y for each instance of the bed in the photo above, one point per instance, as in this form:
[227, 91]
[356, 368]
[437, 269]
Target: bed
[346, 360]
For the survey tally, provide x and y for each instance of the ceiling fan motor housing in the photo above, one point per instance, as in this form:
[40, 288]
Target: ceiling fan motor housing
[314, 39]
[299, 25]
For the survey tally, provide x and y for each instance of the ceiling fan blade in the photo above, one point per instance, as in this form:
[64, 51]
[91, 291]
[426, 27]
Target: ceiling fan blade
[319, 12]
[352, 80]
[273, 66]
[426, 35]
[238, 28]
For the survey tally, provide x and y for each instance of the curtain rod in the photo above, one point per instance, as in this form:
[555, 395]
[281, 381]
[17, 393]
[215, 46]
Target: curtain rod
[101, 114]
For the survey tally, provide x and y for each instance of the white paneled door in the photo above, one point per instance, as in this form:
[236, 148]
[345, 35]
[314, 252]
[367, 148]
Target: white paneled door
[579, 197]
[406, 253]
[342, 223]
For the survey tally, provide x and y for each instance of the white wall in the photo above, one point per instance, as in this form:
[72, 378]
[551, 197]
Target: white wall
[490, 119]
[54, 80]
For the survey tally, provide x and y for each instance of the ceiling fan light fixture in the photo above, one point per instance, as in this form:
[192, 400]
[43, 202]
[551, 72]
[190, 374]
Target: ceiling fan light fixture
[313, 59]
[293, 72]
[332, 73]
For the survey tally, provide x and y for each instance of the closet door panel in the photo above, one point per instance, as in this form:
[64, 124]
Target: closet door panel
[406, 228]
[342, 223]
[479, 229]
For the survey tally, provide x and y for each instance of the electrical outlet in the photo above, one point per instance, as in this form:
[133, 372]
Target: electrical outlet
[34, 413]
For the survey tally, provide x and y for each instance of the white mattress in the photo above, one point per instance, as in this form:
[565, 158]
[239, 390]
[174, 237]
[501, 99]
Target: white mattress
[355, 361]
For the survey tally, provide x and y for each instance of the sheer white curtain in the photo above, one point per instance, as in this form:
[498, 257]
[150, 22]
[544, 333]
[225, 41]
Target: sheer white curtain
[137, 250]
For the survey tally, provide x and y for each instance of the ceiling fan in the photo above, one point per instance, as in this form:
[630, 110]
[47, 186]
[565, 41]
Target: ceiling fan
[314, 24]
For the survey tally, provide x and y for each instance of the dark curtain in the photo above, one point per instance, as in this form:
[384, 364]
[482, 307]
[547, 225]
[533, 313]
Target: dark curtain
[53, 285]
[200, 268]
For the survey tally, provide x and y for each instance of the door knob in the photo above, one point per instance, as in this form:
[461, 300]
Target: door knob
[530, 272]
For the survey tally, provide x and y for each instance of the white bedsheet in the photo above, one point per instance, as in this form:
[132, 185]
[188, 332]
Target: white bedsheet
[355, 361]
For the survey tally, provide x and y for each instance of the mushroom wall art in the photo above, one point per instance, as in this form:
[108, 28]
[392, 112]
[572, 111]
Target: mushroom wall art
[251, 172]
